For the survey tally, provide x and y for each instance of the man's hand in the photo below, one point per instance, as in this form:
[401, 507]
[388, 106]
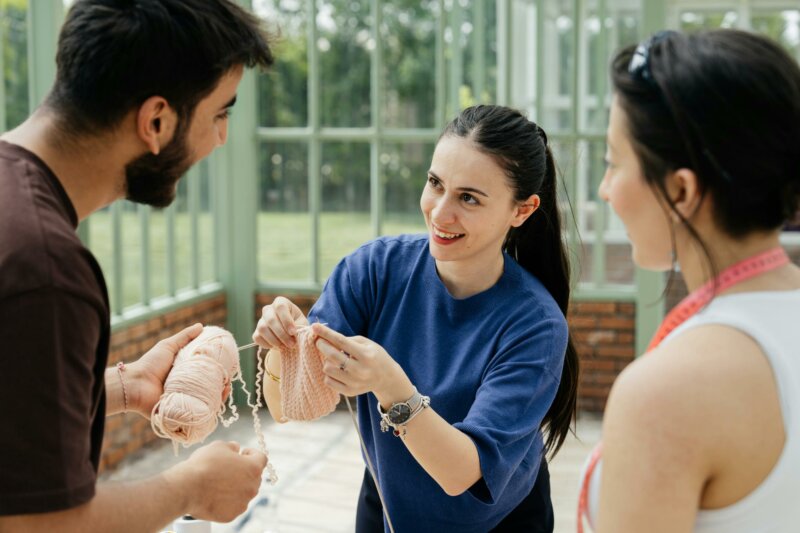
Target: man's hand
[144, 379]
[220, 479]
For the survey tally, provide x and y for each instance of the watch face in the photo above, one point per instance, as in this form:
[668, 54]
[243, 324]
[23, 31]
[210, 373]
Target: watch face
[399, 413]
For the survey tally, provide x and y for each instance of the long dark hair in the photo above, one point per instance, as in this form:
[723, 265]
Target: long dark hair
[521, 149]
[726, 104]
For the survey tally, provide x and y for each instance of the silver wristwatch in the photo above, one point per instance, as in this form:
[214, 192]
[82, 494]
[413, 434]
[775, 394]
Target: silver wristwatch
[400, 413]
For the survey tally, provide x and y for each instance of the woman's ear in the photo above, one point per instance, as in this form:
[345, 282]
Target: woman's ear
[684, 190]
[155, 123]
[525, 209]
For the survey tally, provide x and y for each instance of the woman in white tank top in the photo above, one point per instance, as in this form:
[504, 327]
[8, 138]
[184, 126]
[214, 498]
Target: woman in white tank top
[703, 433]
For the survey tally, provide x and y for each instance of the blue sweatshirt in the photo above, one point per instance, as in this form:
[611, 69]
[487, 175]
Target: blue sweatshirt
[491, 364]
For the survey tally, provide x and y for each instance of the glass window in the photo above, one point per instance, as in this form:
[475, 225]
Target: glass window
[285, 248]
[345, 214]
[283, 91]
[344, 45]
[14, 61]
[408, 33]
[404, 171]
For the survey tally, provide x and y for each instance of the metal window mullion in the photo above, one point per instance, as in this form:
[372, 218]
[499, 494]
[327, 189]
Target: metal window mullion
[479, 49]
[540, 31]
[2, 69]
[376, 61]
[456, 58]
[193, 189]
[577, 9]
[745, 21]
[213, 206]
[503, 13]
[144, 229]
[649, 285]
[119, 267]
[44, 21]
[599, 247]
[314, 148]
[169, 215]
[441, 74]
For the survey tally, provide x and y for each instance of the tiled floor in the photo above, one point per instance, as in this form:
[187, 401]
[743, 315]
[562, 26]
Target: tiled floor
[320, 470]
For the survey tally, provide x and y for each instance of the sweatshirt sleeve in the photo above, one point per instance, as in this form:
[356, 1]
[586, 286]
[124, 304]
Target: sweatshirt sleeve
[517, 390]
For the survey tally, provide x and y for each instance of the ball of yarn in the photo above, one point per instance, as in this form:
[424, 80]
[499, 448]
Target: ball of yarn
[304, 395]
[192, 402]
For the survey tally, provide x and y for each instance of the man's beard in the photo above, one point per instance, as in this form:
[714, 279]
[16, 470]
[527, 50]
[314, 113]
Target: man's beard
[152, 179]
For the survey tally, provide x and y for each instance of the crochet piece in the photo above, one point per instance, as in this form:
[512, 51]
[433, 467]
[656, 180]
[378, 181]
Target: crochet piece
[304, 395]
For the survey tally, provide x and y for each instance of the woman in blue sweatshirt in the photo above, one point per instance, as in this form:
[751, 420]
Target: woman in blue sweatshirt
[455, 342]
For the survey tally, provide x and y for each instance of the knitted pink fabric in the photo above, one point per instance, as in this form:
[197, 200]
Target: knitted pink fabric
[304, 395]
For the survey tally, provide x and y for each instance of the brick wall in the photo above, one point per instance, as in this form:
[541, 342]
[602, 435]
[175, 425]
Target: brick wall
[127, 433]
[603, 333]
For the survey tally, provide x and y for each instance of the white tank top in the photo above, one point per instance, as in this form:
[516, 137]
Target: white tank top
[772, 319]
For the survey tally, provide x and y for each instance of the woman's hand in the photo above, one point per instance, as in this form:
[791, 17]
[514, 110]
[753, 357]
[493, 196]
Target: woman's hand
[277, 327]
[355, 365]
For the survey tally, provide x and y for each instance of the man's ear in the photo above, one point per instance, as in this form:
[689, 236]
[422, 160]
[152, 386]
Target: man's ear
[525, 209]
[684, 190]
[155, 123]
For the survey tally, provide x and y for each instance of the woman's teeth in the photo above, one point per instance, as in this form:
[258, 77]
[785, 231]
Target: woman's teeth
[444, 235]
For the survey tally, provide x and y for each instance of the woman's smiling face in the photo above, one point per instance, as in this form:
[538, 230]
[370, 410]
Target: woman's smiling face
[467, 203]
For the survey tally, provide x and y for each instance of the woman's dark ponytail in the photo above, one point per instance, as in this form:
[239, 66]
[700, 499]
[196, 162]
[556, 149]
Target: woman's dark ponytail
[520, 147]
[538, 246]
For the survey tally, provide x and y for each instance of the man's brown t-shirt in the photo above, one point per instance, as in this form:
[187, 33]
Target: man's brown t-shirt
[54, 334]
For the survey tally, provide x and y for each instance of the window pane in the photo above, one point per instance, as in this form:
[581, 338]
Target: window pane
[205, 226]
[705, 20]
[470, 41]
[101, 239]
[183, 234]
[345, 216]
[404, 169]
[558, 62]
[14, 49]
[783, 26]
[159, 270]
[284, 220]
[131, 254]
[344, 45]
[408, 36]
[283, 91]
[603, 38]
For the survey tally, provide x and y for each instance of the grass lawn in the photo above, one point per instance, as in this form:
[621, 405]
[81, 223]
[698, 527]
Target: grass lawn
[284, 247]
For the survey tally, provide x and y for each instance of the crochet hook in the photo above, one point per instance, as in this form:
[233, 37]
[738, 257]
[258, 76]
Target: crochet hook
[246, 346]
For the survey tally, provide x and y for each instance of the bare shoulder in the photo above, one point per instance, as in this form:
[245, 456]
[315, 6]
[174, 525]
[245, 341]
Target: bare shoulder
[708, 386]
[690, 375]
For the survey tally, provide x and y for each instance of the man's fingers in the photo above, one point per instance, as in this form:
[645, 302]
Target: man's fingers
[251, 452]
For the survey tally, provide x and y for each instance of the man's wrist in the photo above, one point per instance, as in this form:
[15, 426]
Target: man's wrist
[132, 378]
[180, 484]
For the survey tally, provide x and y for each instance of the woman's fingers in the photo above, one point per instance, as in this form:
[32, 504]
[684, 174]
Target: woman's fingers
[339, 341]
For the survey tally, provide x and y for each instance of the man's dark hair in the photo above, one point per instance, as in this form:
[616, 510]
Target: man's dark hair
[115, 54]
